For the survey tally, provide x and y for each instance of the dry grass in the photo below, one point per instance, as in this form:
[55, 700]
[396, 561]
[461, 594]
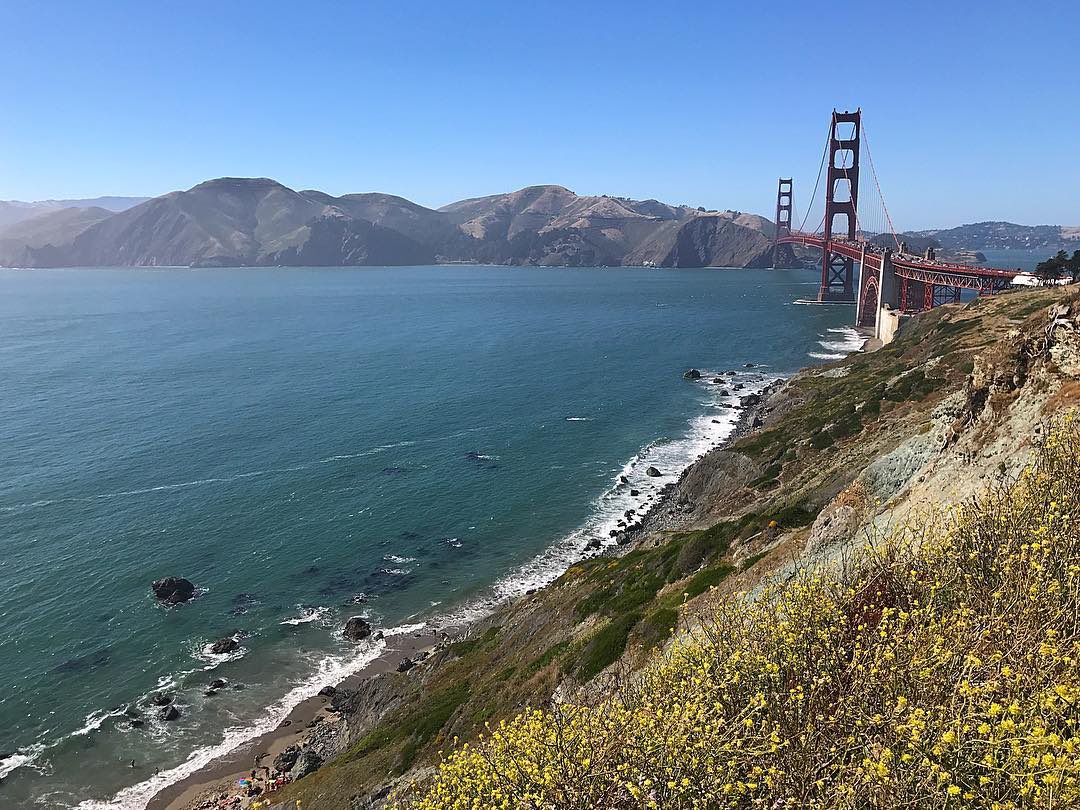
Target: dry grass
[938, 667]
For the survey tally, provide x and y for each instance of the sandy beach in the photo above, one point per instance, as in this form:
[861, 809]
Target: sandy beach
[206, 787]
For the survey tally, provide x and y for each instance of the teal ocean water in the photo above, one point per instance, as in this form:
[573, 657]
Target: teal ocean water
[310, 444]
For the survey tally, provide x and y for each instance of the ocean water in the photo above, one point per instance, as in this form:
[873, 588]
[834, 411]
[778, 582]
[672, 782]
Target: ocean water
[310, 444]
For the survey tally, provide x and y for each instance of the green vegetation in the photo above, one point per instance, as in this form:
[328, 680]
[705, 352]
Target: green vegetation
[416, 726]
[1061, 265]
[605, 647]
[939, 667]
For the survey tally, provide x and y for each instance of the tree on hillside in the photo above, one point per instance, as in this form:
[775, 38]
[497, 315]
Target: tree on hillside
[1058, 265]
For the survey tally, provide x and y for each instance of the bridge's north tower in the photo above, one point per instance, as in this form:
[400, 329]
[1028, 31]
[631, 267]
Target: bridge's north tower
[841, 201]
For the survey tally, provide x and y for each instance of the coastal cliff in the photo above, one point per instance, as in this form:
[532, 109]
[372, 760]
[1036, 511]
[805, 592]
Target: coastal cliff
[961, 401]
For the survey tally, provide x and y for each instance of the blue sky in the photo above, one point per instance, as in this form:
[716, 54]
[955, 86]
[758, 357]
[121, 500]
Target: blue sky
[972, 109]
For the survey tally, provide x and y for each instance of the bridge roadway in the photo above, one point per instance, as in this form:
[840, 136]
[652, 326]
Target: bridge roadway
[985, 280]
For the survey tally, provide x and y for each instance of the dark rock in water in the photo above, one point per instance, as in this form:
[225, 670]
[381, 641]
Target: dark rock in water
[623, 479]
[737, 387]
[287, 758]
[622, 539]
[724, 392]
[308, 762]
[218, 683]
[135, 722]
[751, 399]
[716, 421]
[594, 543]
[718, 380]
[243, 602]
[173, 590]
[652, 472]
[170, 713]
[748, 365]
[328, 691]
[359, 598]
[378, 636]
[224, 645]
[634, 493]
[131, 711]
[210, 692]
[613, 533]
[356, 629]
[405, 665]
[692, 374]
[161, 699]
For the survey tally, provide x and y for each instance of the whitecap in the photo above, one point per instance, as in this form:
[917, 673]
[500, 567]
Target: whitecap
[826, 356]
[330, 671]
[23, 758]
[307, 615]
[669, 455]
[394, 558]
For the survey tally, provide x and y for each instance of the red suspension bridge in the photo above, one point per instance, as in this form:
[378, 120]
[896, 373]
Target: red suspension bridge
[891, 279]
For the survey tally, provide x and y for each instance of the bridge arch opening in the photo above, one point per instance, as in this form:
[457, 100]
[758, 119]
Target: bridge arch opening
[842, 190]
[844, 130]
[842, 227]
[843, 159]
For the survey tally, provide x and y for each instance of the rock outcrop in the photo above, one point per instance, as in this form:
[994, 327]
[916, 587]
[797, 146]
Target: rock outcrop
[173, 590]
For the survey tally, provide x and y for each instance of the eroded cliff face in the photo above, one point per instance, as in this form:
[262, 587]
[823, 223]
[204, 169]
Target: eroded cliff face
[959, 401]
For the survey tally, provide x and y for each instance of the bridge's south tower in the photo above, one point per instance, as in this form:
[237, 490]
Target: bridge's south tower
[841, 201]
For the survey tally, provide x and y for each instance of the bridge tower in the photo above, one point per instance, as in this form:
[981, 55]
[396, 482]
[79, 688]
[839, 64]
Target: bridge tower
[783, 216]
[841, 199]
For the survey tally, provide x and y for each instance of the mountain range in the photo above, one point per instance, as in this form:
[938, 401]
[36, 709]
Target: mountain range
[241, 222]
[260, 222]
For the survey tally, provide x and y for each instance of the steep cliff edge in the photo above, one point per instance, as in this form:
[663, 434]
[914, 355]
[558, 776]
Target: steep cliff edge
[960, 401]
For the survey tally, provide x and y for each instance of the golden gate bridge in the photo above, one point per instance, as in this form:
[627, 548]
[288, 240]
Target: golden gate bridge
[891, 279]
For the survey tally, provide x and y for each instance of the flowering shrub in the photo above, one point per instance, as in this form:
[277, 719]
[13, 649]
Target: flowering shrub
[936, 667]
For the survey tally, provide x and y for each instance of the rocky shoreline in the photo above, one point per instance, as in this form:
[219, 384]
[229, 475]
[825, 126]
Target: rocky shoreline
[318, 729]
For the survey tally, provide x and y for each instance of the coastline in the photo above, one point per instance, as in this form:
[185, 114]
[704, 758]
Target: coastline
[203, 787]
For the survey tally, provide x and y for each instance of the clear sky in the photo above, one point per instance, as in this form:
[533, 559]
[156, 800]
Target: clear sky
[972, 108]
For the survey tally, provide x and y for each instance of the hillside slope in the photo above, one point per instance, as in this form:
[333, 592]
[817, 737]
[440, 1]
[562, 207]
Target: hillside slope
[963, 399]
[257, 221]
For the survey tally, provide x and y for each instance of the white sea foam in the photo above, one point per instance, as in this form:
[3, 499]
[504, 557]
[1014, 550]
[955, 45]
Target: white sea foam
[579, 419]
[825, 356]
[669, 456]
[330, 671]
[394, 558]
[307, 615]
[23, 758]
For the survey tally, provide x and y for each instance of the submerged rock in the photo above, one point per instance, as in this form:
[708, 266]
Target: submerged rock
[173, 590]
[161, 699]
[170, 713]
[218, 683]
[356, 629]
[692, 374]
